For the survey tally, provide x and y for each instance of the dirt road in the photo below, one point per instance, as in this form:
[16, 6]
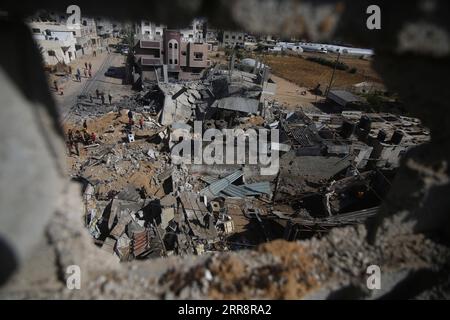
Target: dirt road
[87, 86]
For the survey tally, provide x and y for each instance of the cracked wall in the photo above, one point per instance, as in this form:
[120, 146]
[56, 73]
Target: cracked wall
[412, 56]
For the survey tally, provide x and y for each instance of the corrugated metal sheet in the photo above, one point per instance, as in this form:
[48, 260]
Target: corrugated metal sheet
[217, 186]
[247, 190]
[260, 187]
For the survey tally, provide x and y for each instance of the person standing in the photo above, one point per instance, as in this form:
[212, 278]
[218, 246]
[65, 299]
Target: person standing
[109, 98]
[141, 123]
[103, 99]
[70, 141]
[90, 66]
[93, 137]
[85, 65]
[78, 74]
[90, 73]
[97, 93]
[85, 73]
[84, 125]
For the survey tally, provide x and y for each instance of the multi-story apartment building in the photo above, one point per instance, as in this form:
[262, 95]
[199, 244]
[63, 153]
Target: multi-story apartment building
[107, 28]
[184, 60]
[194, 32]
[45, 26]
[231, 39]
[56, 42]
[147, 30]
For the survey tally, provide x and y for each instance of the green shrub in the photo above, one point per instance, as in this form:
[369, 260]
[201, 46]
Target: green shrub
[329, 63]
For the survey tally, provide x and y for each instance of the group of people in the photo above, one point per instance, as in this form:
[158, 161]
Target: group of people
[101, 96]
[73, 139]
[87, 71]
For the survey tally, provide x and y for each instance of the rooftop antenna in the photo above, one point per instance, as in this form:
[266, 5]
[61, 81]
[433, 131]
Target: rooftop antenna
[332, 75]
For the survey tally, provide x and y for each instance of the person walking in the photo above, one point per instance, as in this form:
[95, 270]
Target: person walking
[85, 73]
[97, 93]
[84, 125]
[90, 66]
[103, 99]
[85, 65]
[109, 98]
[90, 73]
[78, 74]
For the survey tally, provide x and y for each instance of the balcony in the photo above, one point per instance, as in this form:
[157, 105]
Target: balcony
[146, 44]
[150, 61]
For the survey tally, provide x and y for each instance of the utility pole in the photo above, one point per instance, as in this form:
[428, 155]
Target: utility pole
[332, 75]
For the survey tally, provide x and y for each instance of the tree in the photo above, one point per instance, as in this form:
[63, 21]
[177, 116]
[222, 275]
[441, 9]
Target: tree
[129, 40]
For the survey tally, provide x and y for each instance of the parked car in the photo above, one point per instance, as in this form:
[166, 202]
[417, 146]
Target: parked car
[111, 72]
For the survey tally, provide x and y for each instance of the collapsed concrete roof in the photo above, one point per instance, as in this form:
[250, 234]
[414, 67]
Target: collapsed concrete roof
[240, 104]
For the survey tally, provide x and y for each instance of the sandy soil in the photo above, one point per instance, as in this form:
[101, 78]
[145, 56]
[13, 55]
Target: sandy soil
[308, 74]
[108, 130]
[294, 96]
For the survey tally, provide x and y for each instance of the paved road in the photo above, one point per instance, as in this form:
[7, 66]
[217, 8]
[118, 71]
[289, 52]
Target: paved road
[88, 86]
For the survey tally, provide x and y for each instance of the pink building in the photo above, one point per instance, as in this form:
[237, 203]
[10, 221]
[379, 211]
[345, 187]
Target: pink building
[184, 60]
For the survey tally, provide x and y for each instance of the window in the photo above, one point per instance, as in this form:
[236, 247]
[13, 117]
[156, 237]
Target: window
[170, 45]
[176, 61]
[198, 55]
[146, 23]
[74, 33]
[240, 37]
[183, 53]
[36, 30]
[170, 61]
[51, 53]
[147, 32]
[226, 36]
[233, 37]
[175, 45]
[158, 33]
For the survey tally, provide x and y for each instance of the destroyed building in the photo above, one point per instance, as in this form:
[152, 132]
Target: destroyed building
[334, 169]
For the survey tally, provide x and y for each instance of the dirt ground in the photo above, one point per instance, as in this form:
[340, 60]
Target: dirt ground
[108, 130]
[308, 74]
[294, 97]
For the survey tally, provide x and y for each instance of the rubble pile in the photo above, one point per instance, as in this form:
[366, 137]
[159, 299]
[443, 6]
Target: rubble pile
[141, 201]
